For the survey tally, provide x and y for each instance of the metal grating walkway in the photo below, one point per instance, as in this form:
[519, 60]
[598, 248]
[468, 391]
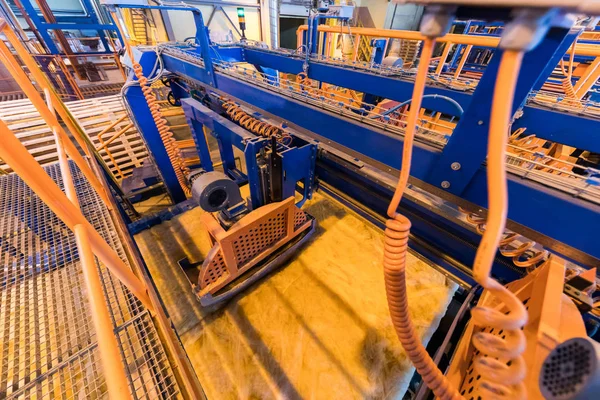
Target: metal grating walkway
[48, 346]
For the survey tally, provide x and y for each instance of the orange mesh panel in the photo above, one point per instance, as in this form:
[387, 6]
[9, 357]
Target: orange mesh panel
[215, 270]
[252, 241]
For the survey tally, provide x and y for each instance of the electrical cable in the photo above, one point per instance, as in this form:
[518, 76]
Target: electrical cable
[503, 369]
[433, 96]
[396, 247]
[170, 143]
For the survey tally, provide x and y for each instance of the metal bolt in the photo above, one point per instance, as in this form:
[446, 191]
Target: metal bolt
[445, 184]
[455, 166]
[480, 122]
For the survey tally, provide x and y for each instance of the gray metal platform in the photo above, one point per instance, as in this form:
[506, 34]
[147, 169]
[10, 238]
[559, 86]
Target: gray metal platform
[48, 346]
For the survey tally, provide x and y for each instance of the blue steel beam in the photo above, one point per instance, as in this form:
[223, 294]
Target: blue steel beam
[467, 146]
[78, 26]
[362, 81]
[573, 130]
[146, 125]
[531, 204]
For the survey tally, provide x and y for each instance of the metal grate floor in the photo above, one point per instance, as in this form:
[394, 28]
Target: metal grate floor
[48, 345]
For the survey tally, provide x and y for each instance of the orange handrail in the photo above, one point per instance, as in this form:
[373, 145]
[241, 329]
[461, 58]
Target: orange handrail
[16, 155]
[24, 82]
[114, 373]
[475, 40]
[114, 137]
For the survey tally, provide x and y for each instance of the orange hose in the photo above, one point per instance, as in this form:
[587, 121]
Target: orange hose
[254, 125]
[396, 246]
[173, 151]
[499, 380]
[170, 143]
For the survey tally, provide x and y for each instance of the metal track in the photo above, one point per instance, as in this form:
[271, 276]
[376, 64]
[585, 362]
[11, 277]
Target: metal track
[48, 346]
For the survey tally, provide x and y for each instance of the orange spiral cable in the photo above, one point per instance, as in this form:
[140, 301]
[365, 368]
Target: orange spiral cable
[255, 125]
[395, 251]
[173, 151]
[501, 365]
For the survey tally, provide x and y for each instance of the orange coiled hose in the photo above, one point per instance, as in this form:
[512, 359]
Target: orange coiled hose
[522, 255]
[502, 369]
[395, 250]
[166, 135]
[568, 87]
[255, 125]
[173, 151]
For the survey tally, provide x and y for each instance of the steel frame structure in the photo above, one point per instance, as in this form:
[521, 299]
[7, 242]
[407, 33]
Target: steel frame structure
[90, 21]
[361, 161]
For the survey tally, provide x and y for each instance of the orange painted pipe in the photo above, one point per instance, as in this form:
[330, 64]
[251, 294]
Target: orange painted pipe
[112, 364]
[16, 155]
[443, 58]
[25, 83]
[114, 372]
[485, 41]
[463, 60]
[116, 136]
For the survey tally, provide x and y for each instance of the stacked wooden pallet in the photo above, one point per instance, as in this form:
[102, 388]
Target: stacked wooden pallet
[103, 115]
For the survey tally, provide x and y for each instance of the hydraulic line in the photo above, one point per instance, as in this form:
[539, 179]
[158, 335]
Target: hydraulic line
[170, 143]
[255, 125]
[396, 247]
[503, 369]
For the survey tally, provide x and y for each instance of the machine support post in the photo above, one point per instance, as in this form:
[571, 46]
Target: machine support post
[147, 127]
[468, 143]
[199, 137]
[226, 151]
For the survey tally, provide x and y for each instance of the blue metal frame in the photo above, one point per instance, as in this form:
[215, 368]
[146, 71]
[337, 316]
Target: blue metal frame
[532, 204]
[298, 162]
[88, 22]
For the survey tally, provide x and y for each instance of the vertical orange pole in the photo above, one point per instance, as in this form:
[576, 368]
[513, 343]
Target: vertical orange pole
[447, 47]
[463, 60]
[357, 39]
[114, 372]
[16, 155]
[298, 38]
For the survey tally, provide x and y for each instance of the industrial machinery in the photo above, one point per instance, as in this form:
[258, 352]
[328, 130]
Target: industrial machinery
[305, 119]
[246, 244]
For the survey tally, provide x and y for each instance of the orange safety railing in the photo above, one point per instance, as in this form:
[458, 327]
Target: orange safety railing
[589, 78]
[66, 207]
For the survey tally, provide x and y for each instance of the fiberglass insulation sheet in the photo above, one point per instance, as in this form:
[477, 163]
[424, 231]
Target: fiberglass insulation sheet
[317, 328]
